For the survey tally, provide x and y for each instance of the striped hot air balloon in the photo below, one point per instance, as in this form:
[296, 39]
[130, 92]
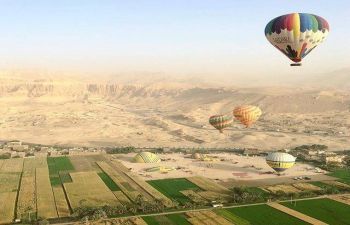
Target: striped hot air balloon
[220, 122]
[247, 114]
[280, 161]
[296, 34]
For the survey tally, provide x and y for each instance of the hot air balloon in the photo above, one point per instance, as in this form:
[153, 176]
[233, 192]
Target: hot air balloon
[247, 114]
[296, 34]
[220, 122]
[280, 161]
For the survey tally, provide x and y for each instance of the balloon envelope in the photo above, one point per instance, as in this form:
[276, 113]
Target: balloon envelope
[247, 114]
[220, 122]
[280, 161]
[296, 34]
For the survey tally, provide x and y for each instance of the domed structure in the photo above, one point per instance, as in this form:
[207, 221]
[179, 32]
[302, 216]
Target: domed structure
[280, 161]
[146, 157]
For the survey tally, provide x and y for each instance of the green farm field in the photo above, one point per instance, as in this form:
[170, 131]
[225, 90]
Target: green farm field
[342, 174]
[172, 187]
[231, 217]
[172, 219]
[58, 169]
[108, 181]
[326, 210]
[261, 215]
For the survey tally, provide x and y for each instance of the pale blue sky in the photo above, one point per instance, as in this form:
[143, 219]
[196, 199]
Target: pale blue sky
[180, 36]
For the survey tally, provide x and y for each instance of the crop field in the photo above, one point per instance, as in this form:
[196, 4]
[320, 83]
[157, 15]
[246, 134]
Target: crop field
[171, 219]
[172, 188]
[9, 185]
[61, 203]
[206, 217]
[263, 215]
[288, 189]
[131, 192]
[87, 189]
[86, 163]
[306, 187]
[108, 181]
[326, 210]
[127, 221]
[338, 184]
[59, 166]
[26, 205]
[9, 182]
[7, 206]
[12, 165]
[149, 189]
[46, 205]
[207, 184]
[194, 196]
[121, 197]
[343, 174]
[232, 217]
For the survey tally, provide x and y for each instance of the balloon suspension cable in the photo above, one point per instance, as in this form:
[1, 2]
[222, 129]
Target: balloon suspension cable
[295, 64]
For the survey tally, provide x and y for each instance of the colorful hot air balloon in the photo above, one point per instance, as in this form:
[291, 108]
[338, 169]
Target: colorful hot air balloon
[296, 34]
[220, 122]
[280, 161]
[247, 114]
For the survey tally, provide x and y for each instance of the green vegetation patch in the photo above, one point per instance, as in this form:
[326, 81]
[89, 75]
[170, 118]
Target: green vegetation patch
[178, 219]
[58, 170]
[172, 219]
[109, 182]
[343, 174]
[326, 210]
[172, 187]
[263, 215]
[150, 220]
[231, 217]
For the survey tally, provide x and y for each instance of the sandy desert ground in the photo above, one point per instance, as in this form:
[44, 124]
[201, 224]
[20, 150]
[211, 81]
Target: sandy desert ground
[234, 166]
[72, 111]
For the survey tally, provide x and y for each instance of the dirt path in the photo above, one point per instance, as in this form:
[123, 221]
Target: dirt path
[296, 214]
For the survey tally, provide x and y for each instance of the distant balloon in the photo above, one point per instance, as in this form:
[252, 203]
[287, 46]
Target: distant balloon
[296, 34]
[247, 114]
[220, 122]
[280, 161]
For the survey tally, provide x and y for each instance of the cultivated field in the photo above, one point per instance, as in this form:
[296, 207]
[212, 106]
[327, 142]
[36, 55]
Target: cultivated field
[87, 189]
[306, 187]
[263, 215]
[46, 205]
[99, 180]
[326, 210]
[9, 185]
[129, 187]
[172, 188]
[26, 205]
[282, 188]
[206, 217]
[61, 203]
[7, 206]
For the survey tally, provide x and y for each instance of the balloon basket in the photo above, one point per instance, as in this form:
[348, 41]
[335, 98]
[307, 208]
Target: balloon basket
[295, 64]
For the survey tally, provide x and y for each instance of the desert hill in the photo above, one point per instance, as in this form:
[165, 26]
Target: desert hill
[70, 110]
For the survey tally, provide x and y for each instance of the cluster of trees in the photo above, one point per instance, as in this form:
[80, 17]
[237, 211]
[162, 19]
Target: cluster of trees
[244, 195]
[85, 212]
[5, 155]
[311, 147]
[120, 150]
[241, 195]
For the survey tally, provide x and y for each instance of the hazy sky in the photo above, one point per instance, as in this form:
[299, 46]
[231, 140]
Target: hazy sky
[180, 36]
